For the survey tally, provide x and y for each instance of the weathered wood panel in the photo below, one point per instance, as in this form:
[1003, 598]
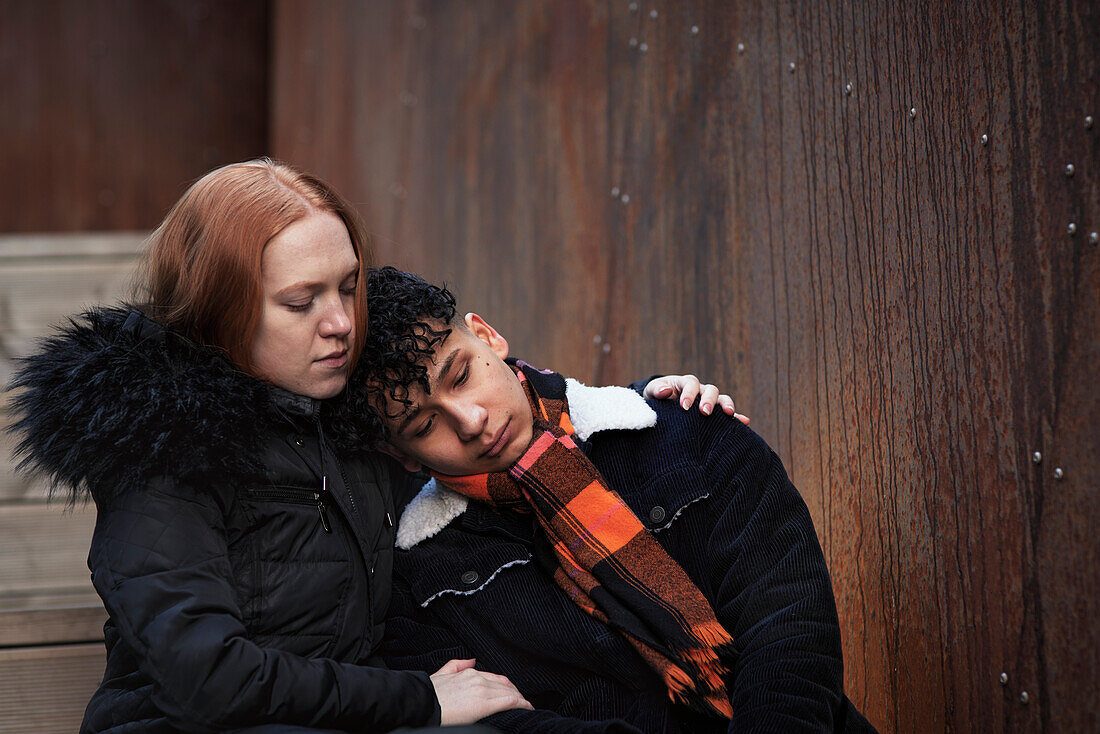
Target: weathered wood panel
[45, 279]
[44, 550]
[45, 689]
[882, 273]
[111, 107]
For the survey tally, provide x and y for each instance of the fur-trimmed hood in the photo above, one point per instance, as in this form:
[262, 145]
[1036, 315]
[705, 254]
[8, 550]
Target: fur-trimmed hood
[591, 409]
[113, 400]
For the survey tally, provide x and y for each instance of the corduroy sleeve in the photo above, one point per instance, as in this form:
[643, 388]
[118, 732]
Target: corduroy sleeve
[772, 594]
[161, 566]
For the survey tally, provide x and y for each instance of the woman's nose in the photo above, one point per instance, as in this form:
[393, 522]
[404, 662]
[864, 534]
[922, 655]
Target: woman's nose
[336, 320]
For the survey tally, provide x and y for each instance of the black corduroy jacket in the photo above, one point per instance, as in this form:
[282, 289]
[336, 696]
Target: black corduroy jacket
[243, 559]
[467, 583]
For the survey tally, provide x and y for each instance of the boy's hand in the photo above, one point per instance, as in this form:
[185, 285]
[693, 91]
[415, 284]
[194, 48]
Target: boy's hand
[466, 695]
[687, 388]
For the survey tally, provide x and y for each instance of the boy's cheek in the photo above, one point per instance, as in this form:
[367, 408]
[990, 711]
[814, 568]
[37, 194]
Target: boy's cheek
[404, 459]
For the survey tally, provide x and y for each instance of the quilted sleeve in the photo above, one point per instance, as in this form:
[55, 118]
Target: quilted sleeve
[159, 561]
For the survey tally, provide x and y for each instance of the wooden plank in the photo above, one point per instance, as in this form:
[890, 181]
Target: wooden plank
[898, 304]
[55, 619]
[70, 245]
[45, 689]
[44, 548]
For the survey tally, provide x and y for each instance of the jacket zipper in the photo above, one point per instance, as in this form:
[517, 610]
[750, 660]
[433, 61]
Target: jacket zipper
[297, 497]
[351, 523]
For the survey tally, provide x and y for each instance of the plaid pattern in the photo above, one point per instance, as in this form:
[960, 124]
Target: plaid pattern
[603, 556]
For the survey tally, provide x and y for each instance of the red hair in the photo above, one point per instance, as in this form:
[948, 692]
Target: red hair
[201, 271]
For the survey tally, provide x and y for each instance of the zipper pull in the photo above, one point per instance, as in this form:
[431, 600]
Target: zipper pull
[324, 515]
[321, 509]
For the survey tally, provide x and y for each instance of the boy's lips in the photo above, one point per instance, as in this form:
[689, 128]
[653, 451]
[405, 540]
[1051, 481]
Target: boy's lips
[499, 441]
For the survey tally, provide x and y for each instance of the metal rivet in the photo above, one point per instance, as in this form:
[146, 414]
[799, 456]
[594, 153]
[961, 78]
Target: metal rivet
[1072, 228]
[1070, 169]
[634, 7]
[297, 442]
[1088, 122]
[695, 30]
[985, 140]
[653, 14]
[607, 348]
[657, 514]
[633, 42]
[597, 339]
[614, 192]
[848, 89]
[470, 577]
[1023, 697]
[1094, 237]
[625, 198]
[643, 47]
[1037, 457]
[790, 67]
[1058, 473]
[740, 48]
[1004, 679]
[912, 111]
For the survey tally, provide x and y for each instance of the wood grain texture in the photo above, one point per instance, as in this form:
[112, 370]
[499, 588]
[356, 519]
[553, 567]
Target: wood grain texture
[44, 689]
[50, 619]
[44, 279]
[112, 107]
[44, 549]
[899, 307]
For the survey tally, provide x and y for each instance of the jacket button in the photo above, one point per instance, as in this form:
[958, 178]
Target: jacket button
[657, 514]
[470, 577]
[297, 442]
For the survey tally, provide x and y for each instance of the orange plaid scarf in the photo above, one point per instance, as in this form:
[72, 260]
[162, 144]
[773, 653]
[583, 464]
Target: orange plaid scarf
[606, 560]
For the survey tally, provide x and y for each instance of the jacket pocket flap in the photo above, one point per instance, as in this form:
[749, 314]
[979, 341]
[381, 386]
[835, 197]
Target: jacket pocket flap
[660, 502]
[452, 570]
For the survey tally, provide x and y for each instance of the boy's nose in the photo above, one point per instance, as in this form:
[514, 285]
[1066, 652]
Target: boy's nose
[470, 419]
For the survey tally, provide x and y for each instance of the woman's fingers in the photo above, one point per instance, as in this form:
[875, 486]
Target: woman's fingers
[468, 695]
[686, 389]
[455, 666]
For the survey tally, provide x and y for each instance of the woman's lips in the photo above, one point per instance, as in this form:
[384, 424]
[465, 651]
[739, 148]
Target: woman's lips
[501, 441]
[334, 361]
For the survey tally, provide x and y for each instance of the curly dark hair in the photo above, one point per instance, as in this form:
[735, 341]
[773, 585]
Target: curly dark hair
[408, 319]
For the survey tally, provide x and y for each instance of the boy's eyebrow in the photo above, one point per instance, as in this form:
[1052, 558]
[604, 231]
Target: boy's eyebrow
[433, 382]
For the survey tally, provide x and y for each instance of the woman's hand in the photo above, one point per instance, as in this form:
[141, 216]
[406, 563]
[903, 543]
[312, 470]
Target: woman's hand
[688, 388]
[466, 695]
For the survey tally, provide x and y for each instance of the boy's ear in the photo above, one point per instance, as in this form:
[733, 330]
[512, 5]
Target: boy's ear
[480, 328]
[404, 459]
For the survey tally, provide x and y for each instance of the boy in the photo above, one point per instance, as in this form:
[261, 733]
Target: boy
[628, 566]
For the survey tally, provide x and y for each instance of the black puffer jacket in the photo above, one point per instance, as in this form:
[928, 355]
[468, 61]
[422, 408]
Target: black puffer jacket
[243, 558]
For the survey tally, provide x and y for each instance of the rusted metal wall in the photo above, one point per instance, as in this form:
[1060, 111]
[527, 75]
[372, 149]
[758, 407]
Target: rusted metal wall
[856, 216]
[111, 107]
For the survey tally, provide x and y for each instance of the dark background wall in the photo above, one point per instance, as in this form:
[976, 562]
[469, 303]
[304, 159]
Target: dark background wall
[111, 107]
[898, 304]
[854, 216]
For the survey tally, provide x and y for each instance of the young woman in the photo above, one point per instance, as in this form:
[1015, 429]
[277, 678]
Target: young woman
[244, 539]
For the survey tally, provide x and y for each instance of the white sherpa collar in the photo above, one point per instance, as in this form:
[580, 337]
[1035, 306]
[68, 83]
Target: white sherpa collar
[591, 410]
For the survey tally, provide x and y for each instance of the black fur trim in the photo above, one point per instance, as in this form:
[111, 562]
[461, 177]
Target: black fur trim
[113, 400]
